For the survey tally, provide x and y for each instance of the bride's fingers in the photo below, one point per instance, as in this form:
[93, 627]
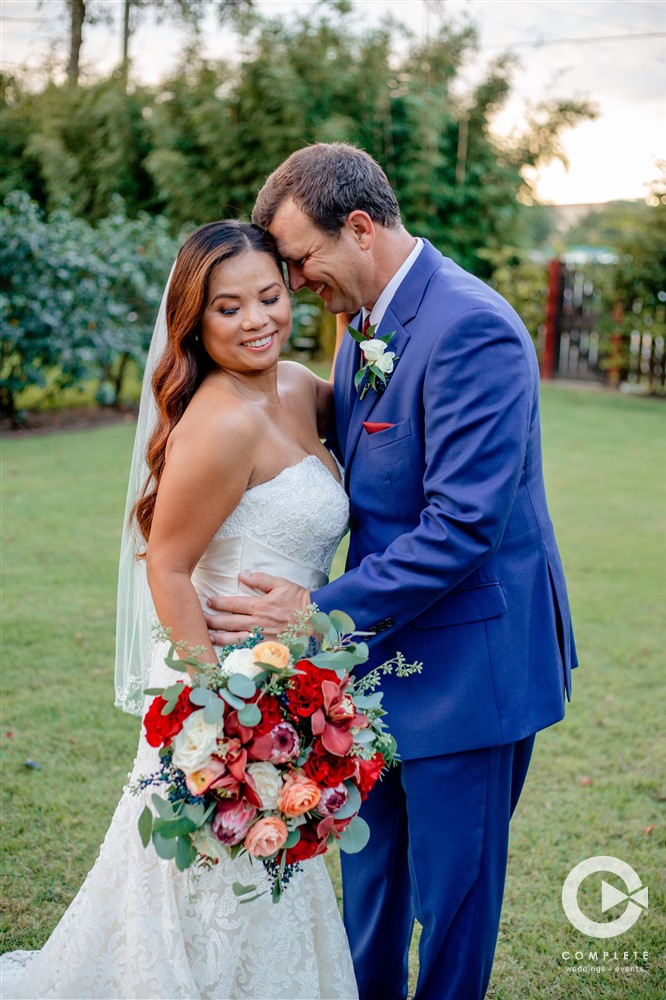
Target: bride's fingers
[220, 638]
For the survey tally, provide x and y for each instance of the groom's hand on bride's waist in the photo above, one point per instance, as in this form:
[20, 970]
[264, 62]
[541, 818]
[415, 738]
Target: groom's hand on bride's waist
[231, 619]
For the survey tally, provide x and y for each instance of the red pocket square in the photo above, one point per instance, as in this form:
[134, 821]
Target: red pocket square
[373, 428]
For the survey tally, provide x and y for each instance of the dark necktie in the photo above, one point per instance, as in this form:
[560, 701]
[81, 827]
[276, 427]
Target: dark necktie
[366, 324]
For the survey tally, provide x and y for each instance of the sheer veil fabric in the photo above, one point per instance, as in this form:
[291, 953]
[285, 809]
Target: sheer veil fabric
[135, 611]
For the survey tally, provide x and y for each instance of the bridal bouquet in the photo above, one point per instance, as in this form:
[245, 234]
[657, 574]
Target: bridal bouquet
[270, 752]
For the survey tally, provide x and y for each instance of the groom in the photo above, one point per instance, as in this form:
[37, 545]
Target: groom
[452, 560]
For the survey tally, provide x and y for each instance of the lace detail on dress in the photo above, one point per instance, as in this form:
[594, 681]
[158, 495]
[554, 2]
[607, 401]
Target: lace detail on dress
[302, 513]
[138, 928]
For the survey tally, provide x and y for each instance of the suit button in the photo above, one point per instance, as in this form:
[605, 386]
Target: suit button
[384, 625]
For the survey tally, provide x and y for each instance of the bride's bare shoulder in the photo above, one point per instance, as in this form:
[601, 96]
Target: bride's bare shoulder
[297, 375]
[215, 415]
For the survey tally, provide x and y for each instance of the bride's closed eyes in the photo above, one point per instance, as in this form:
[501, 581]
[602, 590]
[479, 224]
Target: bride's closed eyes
[231, 310]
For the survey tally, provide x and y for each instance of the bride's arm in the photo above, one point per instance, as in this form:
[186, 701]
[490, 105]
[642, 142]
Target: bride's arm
[207, 470]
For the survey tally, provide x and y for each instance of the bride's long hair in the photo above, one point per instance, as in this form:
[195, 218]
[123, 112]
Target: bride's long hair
[185, 363]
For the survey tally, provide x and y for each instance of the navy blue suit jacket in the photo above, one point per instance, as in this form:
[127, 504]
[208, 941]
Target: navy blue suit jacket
[452, 553]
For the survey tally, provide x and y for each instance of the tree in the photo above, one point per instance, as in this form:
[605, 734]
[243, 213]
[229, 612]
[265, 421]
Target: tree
[76, 302]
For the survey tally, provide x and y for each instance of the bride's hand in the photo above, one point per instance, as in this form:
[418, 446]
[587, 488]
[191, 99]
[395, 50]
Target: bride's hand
[232, 619]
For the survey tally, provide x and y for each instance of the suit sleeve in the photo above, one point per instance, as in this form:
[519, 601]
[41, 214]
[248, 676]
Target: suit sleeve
[478, 396]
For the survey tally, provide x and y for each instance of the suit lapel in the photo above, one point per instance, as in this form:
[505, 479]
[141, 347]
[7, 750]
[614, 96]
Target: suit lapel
[362, 408]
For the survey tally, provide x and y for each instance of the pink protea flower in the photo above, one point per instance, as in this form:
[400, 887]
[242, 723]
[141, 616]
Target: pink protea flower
[232, 820]
[332, 799]
[278, 746]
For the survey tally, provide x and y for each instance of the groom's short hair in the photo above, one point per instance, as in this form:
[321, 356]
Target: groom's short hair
[328, 181]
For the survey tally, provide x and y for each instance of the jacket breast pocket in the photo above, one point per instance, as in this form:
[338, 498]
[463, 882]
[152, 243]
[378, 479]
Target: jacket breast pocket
[401, 430]
[475, 604]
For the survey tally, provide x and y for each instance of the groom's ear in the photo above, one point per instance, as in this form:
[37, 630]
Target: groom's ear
[362, 228]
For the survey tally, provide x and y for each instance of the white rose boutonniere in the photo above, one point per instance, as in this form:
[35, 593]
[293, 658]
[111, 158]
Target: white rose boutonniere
[379, 363]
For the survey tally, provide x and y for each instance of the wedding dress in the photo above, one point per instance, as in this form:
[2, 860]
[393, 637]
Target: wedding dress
[138, 927]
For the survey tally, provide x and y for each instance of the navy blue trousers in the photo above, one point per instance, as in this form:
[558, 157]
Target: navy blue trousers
[438, 852]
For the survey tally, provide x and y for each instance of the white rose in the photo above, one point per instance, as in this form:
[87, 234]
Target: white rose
[194, 744]
[241, 661]
[207, 843]
[373, 350]
[268, 782]
[385, 363]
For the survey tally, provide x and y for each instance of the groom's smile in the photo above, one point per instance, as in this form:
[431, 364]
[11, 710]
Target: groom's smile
[333, 267]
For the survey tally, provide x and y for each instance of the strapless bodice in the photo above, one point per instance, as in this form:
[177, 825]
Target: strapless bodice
[289, 526]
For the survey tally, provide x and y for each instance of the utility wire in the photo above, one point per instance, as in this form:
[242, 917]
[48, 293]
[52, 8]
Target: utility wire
[540, 43]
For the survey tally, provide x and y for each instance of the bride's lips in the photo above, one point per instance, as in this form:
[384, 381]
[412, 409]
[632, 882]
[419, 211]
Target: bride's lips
[259, 344]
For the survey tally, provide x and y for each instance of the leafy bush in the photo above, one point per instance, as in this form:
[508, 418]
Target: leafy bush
[76, 302]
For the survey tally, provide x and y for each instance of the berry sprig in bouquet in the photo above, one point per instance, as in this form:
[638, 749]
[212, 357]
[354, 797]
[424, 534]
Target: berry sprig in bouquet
[270, 752]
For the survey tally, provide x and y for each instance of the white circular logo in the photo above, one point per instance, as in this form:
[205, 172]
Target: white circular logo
[636, 896]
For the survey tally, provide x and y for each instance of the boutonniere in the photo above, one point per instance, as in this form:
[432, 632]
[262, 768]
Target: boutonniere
[379, 363]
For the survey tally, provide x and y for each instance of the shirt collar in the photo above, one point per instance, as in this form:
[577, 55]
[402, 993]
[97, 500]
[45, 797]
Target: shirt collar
[385, 298]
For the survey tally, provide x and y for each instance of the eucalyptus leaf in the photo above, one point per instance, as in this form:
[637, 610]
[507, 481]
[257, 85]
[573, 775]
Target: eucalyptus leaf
[145, 826]
[353, 803]
[241, 890]
[364, 737]
[185, 853]
[231, 699]
[164, 808]
[299, 648]
[344, 624]
[169, 707]
[241, 685]
[250, 715]
[354, 837]
[335, 661]
[165, 848]
[173, 828]
[153, 691]
[320, 622]
[175, 664]
[277, 891]
[293, 838]
[213, 711]
[362, 651]
[201, 696]
[367, 701]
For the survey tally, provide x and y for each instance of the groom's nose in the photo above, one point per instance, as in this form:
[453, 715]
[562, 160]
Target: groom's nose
[296, 278]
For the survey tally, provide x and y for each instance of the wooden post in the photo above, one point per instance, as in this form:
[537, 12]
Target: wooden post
[615, 361]
[549, 358]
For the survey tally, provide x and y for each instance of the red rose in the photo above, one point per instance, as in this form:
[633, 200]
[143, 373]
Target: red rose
[368, 773]
[328, 769]
[304, 695]
[271, 714]
[308, 846]
[160, 729]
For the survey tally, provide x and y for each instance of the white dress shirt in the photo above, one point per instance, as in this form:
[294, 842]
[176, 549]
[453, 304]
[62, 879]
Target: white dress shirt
[384, 300]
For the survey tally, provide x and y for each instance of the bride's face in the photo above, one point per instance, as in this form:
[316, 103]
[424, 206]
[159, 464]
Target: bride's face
[247, 319]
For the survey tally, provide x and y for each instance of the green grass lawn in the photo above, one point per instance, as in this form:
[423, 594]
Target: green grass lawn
[596, 785]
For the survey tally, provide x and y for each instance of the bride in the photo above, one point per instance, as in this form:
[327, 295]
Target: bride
[228, 473]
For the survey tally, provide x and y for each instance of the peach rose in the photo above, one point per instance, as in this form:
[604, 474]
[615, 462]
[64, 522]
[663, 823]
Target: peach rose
[266, 837]
[274, 653]
[299, 794]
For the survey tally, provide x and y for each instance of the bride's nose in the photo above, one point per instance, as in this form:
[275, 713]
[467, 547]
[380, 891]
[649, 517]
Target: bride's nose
[254, 317]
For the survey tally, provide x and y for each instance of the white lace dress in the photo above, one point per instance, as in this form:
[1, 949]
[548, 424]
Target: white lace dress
[138, 928]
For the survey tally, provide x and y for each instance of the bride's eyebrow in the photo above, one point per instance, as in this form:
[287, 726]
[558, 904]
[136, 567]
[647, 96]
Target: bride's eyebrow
[234, 295]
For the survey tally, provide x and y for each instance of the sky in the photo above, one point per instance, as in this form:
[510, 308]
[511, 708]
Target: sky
[610, 51]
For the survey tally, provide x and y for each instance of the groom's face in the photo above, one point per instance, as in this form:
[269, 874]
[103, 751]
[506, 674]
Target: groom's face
[334, 269]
